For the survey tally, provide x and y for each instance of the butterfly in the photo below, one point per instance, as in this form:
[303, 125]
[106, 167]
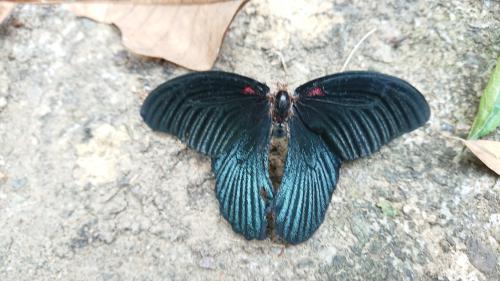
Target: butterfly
[329, 120]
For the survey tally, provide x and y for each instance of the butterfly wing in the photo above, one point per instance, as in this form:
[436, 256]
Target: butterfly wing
[339, 117]
[243, 187]
[226, 116]
[210, 111]
[357, 112]
[310, 176]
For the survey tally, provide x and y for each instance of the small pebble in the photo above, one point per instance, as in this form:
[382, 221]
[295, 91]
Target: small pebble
[3, 177]
[19, 183]
[207, 263]
[3, 102]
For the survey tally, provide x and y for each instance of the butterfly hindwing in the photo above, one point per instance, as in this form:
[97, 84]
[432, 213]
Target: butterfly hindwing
[243, 186]
[209, 110]
[357, 112]
[310, 176]
[227, 117]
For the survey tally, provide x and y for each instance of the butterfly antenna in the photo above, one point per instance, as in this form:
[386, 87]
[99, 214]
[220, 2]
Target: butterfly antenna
[356, 48]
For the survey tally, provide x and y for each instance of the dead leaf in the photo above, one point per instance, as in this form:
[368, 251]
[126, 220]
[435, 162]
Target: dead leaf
[185, 32]
[487, 151]
[5, 8]
[116, 1]
[188, 35]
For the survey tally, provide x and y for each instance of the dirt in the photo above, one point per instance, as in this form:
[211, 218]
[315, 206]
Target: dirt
[88, 192]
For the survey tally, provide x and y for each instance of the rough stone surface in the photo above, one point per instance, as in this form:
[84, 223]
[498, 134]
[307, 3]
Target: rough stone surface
[88, 192]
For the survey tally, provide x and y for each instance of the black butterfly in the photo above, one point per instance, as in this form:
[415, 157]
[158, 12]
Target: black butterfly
[329, 120]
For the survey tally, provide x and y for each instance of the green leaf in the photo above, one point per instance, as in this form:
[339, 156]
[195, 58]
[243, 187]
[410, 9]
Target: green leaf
[488, 115]
[387, 208]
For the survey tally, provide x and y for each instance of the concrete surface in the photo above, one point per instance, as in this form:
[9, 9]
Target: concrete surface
[88, 192]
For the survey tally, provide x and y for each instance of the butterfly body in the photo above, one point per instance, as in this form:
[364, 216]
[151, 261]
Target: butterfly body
[327, 121]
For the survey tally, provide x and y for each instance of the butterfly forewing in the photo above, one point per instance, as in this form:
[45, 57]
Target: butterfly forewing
[357, 112]
[210, 111]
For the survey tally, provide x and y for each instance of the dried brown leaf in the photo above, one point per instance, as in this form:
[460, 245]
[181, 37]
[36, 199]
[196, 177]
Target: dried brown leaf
[487, 151]
[188, 35]
[5, 8]
[116, 1]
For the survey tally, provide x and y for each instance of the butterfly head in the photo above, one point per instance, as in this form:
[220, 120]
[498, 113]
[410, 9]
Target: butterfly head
[282, 104]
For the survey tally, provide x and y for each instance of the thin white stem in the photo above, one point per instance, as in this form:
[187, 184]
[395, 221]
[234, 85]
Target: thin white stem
[356, 48]
[282, 59]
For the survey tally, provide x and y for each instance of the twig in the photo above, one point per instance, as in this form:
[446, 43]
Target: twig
[460, 155]
[356, 48]
[282, 59]
[453, 138]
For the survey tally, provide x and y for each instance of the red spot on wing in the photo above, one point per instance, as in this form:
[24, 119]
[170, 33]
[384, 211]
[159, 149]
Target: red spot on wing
[315, 92]
[249, 91]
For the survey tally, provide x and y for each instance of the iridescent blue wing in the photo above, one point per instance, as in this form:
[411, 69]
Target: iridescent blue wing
[310, 176]
[226, 116]
[243, 186]
[357, 112]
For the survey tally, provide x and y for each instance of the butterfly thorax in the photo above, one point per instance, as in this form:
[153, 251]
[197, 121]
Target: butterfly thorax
[281, 106]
